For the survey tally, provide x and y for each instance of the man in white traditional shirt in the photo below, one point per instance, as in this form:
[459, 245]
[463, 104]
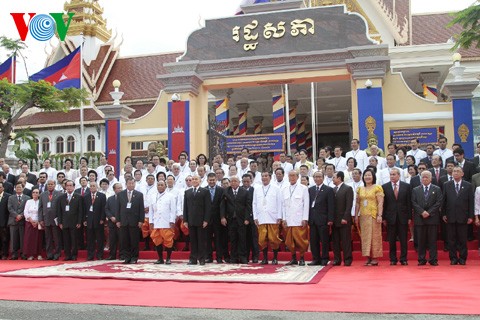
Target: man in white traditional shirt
[218, 159]
[339, 161]
[162, 221]
[183, 164]
[442, 150]
[192, 165]
[245, 153]
[381, 161]
[148, 191]
[101, 168]
[287, 166]
[257, 177]
[304, 172]
[279, 179]
[203, 176]
[329, 171]
[355, 183]
[219, 174]
[51, 172]
[417, 153]
[139, 184]
[178, 176]
[267, 215]
[243, 167]
[384, 175]
[59, 183]
[357, 154]
[295, 201]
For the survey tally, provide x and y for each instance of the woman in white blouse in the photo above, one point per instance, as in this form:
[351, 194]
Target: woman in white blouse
[32, 241]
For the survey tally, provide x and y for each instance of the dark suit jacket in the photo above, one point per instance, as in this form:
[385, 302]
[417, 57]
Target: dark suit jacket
[443, 179]
[239, 207]
[130, 216]
[70, 219]
[475, 181]
[427, 161]
[94, 217]
[8, 187]
[4, 214]
[79, 190]
[31, 178]
[111, 207]
[468, 170]
[217, 206]
[15, 208]
[432, 205]
[415, 182]
[476, 163]
[10, 178]
[196, 207]
[323, 209]
[38, 187]
[46, 214]
[458, 208]
[397, 210]
[442, 172]
[343, 205]
[250, 191]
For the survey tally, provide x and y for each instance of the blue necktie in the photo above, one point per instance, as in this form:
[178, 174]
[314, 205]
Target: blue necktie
[426, 193]
[212, 193]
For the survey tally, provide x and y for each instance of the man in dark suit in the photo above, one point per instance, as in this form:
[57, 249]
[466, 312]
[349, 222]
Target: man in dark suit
[31, 178]
[196, 216]
[10, 177]
[113, 231]
[476, 159]
[458, 213]
[16, 220]
[467, 166]
[4, 214]
[7, 186]
[215, 227]
[83, 191]
[47, 216]
[42, 182]
[449, 170]
[130, 217]
[397, 215]
[251, 232]
[428, 159]
[320, 218]
[70, 217]
[342, 221]
[427, 201]
[94, 208]
[238, 208]
[437, 170]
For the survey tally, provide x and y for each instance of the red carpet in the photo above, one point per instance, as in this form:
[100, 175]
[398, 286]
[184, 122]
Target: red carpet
[384, 289]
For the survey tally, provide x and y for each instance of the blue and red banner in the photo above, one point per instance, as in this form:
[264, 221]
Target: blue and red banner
[7, 69]
[112, 144]
[178, 128]
[63, 74]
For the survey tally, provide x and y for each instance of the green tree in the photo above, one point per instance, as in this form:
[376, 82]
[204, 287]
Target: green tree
[468, 19]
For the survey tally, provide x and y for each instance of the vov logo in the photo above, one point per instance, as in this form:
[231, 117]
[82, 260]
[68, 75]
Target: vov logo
[42, 27]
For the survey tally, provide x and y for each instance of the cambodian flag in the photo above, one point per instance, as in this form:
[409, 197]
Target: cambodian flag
[247, 3]
[7, 69]
[64, 73]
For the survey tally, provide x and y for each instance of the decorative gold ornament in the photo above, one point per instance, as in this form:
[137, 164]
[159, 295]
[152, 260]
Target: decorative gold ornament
[463, 132]
[370, 124]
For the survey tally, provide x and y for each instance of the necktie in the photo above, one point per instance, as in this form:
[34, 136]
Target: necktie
[318, 189]
[212, 193]
[457, 187]
[426, 193]
[93, 199]
[235, 193]
[450, 178]
[41, 188]
[69, 197]
[19, 199]
[194, 191]
[437, 175]
[335, 189]
[129, 196]
[83, 192]
[395, 191]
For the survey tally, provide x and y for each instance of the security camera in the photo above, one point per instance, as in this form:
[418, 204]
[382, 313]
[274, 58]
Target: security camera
[368, 84]
[175, 97]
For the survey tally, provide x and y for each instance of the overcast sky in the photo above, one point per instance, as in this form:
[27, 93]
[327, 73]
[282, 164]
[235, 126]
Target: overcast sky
[153, 26]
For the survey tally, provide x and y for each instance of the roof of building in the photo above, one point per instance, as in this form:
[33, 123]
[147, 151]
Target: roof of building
[138, 76]
[432, 28]
[59, 118]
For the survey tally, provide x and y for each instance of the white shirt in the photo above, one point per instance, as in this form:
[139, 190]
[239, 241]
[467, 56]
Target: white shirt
[360, 156]
[477, 201]
[178, 200]
[384, 175]
[381, 162]
[355, 186]
[267, 204]
[31, 210]
[51, 173]
[287, 167]
[282, 184]
[445, 154]
[418, 154]
[162, 208]
[328, 181]
[295, 202]
[340, 163]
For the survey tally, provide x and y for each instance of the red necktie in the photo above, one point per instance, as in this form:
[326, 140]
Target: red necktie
[83, 192]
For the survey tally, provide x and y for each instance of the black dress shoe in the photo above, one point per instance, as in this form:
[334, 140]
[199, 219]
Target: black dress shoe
[453, 262]
[462, 262]
[50, 258]
[265, 261]
[99, 258]
[127, 261]
[274, 261]
[292, 262]
[347, 264]
[209, 260]
[191, 263]
[159, 261]
[90, 259]
[244, 261]
[55, 258]
[219, 261]
[323, 263]
[202, 262]
[168, 261]
[314, 263]
[422, 263]
[393, 263]
[110, 258]
[404, 263]
[67, 259]
[433, 263]
[74, 258]
[336, 263]
[255, 260]
[133, 261]
[301, 262]
[13, 258]
[24, 257]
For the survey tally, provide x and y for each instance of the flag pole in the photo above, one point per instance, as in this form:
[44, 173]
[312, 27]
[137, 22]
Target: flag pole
[314, 123]
[287, 118]
[82, 127]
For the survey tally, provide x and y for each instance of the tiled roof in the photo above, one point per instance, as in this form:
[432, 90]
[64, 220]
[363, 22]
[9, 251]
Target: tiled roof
[138, 76]
[58, 118]
[432, 28]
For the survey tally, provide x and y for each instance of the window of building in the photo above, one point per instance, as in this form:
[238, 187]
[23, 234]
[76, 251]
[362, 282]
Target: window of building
[138, 145]
[60, 145]
[91, 143]
[37, 146]
[45, 145]
[70, 144]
